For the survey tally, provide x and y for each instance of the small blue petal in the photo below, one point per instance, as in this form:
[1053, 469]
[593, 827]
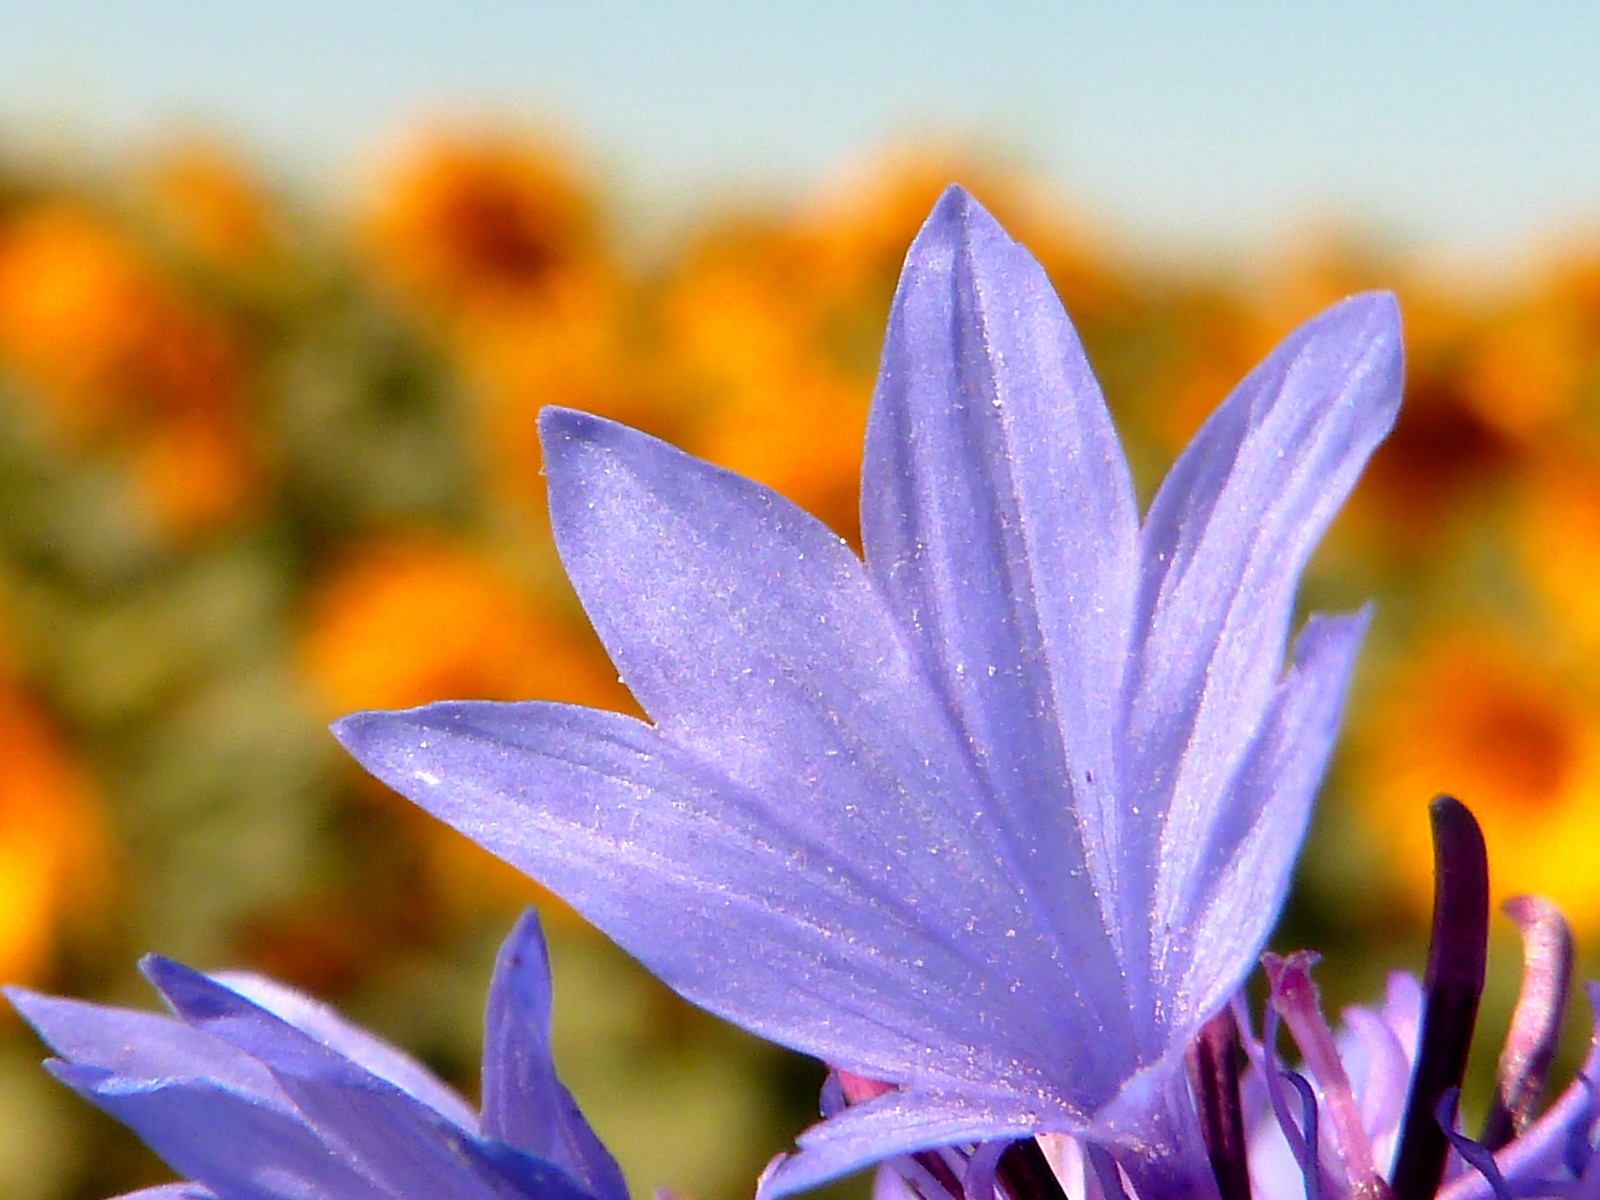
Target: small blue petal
[256, 1092]
[892, 1125]
[326, 1026]
[224, 1139]
[524, 1105]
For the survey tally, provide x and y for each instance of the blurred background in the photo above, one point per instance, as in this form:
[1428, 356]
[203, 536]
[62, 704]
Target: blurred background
[283, 287]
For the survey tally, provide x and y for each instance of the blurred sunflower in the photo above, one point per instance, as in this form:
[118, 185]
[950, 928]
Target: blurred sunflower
[479, 226]
[417, 616]
[1556, 531]
[1452, 454]
[864, 221]
[1523, 370]
[209, 205]
[766, 361]
[495, 245]
[124, 366]
[1475, 713]
[55, 856]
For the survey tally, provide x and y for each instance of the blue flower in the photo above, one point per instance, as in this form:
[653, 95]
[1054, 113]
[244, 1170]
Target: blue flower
[1000, 816]
[253, 1091]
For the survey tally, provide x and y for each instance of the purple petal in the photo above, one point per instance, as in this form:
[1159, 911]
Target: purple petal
[224, 1139]
[983, 819]
[326, 1026]
[999, 520]
[887, 1184]
[1229, 898]
[893, 1125]
[739, 902]
[763, 650]
[141, 1046]
[1222, 550]
[757, 642]
[742, 625]
[1380, 1075]
[404, 1144]
[170, 1191]
[210, 1111]
[524, 1104]
[1402, 1009]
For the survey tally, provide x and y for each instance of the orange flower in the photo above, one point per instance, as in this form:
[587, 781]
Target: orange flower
[1556, 525]
[195, 473]
[496, 245]
[211, 207]
[1476, 715]
[474, 225]
[126, 367]
[864, 222]
[772, 367]
[581, 353]
[1523, 369]
[415, 617]
[54, 847]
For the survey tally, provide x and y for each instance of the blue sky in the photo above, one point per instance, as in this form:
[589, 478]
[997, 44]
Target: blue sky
[1473, 128]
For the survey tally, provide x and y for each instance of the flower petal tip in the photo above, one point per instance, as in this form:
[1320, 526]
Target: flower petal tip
[954, 203]
[557, 424]
[352, 731]
[195, 996]
[372, 733]
[527, 935]
[28, 1003]
[957, 220]
[1371, 319]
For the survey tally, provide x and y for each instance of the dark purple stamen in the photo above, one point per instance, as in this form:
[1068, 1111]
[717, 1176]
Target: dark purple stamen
[1214, 1075]
[1457, 955]
[1026, 1174]
[1536, 1024]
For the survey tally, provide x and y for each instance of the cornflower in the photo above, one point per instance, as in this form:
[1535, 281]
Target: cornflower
[253, 1091]
[996, 820]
